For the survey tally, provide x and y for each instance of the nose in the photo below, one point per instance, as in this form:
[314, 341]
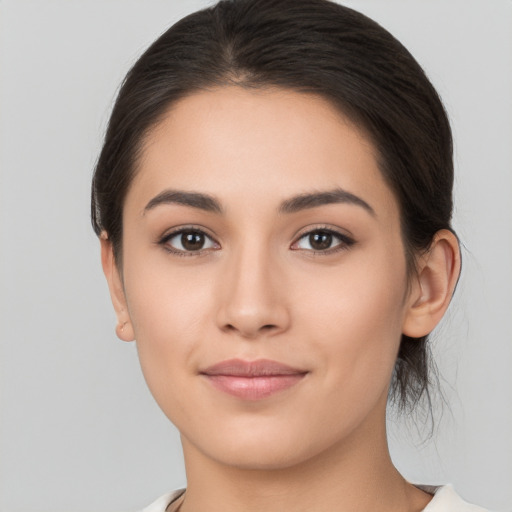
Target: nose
[252, 295]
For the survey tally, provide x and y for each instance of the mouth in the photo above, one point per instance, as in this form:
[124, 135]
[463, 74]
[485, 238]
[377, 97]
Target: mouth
[252, 380]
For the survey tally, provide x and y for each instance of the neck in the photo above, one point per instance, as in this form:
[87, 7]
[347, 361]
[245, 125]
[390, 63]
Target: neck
[356, 474]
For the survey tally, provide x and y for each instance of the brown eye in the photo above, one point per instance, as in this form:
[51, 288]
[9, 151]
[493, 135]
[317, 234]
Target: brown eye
[192, 241]
[188, 241]
[320, 241]
[323, 240]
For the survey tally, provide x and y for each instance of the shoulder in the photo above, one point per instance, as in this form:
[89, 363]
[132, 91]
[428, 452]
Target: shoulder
[447, 500]
[162, 503]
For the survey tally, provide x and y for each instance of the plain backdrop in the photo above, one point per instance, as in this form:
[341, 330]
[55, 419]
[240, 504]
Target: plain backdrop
[78, 429]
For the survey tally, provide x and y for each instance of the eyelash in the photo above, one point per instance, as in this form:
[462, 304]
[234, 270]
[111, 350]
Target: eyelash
[345, 242]
[164, 241]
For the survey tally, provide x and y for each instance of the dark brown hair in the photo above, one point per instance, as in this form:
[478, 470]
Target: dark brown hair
[311, 46]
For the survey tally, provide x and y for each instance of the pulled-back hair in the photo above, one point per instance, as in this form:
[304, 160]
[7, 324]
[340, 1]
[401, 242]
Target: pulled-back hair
[310, 46]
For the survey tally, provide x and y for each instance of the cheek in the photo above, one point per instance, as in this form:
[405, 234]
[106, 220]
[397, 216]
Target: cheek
[168, 308]
[354, 318]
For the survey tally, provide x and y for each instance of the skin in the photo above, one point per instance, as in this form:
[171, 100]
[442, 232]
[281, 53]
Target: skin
[258, 290]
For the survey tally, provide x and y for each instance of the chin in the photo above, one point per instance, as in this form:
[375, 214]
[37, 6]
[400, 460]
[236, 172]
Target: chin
[268, 448]
[260, 457]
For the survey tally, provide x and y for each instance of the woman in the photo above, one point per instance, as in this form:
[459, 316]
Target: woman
[273, 200]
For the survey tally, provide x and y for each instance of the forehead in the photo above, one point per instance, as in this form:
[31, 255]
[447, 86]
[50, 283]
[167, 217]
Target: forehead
[266, 144]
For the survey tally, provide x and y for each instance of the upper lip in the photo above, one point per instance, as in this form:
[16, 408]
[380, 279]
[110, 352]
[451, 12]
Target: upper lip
[258, 368]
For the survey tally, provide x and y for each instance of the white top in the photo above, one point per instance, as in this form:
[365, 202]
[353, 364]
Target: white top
[445, 500]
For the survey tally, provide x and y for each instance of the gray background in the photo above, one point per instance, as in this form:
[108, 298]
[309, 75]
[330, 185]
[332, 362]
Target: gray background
[78, 429]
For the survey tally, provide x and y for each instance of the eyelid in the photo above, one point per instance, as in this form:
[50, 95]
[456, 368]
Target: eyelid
[168, 235]
[346, 240]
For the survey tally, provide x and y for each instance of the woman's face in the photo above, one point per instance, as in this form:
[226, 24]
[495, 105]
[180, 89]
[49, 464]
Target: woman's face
[264, 276]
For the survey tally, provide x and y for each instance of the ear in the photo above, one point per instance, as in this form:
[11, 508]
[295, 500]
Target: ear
[433, 286]
[124, 328]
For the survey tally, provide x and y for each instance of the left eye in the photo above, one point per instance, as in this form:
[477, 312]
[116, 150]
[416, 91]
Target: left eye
[322, 240]
[189, 240]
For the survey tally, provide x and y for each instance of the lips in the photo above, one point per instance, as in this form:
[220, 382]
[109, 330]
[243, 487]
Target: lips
[252, 380]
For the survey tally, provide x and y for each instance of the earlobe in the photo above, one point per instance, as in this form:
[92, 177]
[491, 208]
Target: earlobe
[124, 328]
[437, 274]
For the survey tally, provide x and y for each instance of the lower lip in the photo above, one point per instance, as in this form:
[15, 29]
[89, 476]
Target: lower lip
[254, 388]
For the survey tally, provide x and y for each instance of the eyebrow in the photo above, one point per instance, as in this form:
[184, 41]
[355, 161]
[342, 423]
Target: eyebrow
[192, 199]
[295, 204]
[312, 200]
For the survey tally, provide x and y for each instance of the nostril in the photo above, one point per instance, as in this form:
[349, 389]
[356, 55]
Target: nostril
[251, 332]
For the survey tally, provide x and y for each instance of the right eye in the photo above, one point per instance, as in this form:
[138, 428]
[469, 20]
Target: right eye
[188, 242]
